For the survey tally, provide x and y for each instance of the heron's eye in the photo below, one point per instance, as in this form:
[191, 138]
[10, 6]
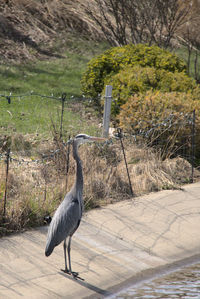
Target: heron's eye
[81, 136]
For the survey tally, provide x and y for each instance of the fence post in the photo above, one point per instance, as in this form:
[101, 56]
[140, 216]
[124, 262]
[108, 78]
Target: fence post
[62, 112]
[6, 184]
[107, 110]
[193, 145]
[119, 132]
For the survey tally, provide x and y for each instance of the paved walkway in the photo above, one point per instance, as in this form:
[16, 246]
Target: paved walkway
[111, 245]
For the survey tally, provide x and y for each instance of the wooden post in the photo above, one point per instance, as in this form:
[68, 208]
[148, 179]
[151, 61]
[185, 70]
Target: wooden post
[62, 112]
[119, 131]
[6, 183]
[107, 110]
[193, 146]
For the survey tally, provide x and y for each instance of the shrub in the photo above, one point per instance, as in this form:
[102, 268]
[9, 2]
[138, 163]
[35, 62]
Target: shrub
[112, 60]
[161, 116]
[196, 92]
[146, 109]
[137, 79]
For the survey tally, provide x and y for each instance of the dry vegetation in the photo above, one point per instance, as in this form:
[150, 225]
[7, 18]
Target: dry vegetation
[35, 189]
[41, 28]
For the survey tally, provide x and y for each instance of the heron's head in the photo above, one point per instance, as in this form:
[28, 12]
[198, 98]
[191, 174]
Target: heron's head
[84, 138]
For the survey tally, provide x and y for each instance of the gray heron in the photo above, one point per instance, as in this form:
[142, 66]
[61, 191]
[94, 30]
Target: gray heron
[68, 215]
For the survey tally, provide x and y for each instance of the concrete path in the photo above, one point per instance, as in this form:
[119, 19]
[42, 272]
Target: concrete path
[112, 245]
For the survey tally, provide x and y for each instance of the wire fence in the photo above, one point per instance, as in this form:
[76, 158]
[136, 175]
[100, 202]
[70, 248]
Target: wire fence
[18, 109]
[174, 136]
[117, 169]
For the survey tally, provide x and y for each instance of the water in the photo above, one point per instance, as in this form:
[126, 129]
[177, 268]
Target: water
[184, 283]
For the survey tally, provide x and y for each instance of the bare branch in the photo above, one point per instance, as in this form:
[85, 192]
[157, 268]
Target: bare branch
[140, 21]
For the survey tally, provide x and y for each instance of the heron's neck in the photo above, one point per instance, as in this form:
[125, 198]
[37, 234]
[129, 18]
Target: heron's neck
[79, 171]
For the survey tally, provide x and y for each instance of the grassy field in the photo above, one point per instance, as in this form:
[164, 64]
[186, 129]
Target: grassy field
[34, 114]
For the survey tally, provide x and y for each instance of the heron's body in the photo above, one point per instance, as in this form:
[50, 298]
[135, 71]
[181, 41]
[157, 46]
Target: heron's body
[68, 215]
[65, 221]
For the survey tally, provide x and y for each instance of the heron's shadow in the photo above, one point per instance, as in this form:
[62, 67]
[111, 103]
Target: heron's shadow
[87, 285]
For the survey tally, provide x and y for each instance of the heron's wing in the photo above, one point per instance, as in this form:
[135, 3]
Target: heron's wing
[64, 222]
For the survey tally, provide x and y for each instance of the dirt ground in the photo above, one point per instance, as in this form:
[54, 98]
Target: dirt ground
[32, 28]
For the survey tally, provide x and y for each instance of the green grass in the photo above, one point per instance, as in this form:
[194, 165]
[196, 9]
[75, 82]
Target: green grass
[33, 114]
[182, 52]
[55, 75]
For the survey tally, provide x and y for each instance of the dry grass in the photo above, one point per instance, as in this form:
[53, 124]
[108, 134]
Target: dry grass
[34, 27]
[35, 189]
[148, 172]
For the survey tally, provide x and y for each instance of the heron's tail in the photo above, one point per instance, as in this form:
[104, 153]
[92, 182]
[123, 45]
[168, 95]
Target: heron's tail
[49, 249]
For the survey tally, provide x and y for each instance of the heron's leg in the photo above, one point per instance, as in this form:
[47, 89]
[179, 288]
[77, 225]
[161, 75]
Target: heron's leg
[68, 251]
[75, 274]
[64, 247]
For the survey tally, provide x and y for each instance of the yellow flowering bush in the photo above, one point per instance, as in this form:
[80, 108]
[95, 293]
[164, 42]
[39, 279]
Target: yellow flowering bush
[113, 60]
[136, 79]
[166, 116]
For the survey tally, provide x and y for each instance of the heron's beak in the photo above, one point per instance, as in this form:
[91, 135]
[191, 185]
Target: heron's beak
[100, 139]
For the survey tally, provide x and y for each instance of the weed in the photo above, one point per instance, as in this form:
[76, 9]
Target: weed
[35, 190]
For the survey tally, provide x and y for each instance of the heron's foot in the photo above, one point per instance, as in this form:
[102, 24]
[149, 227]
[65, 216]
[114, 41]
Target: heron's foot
[66, 271]
[75, 275]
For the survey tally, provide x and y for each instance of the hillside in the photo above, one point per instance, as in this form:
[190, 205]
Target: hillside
[41, 28]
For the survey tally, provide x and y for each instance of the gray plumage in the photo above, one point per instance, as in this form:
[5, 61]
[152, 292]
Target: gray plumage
[68, 215]
[64, 223]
